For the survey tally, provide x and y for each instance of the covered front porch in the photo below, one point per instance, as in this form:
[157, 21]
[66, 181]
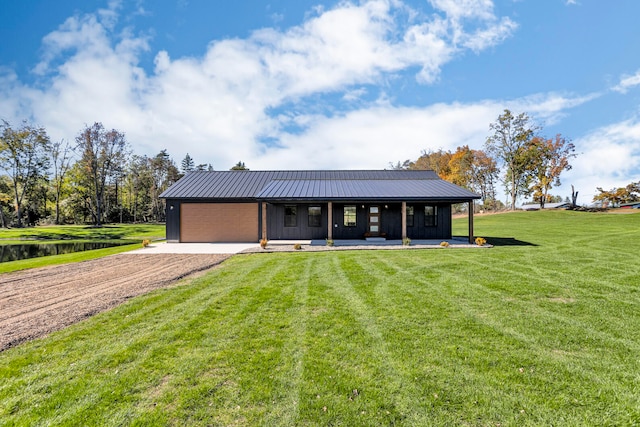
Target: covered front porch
[355, 221]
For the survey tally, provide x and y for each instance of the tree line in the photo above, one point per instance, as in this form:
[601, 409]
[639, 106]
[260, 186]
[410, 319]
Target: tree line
[618, 196]
[94, 179]
[515, 154]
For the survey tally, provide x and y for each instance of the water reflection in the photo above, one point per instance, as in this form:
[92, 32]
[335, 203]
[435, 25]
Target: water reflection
[34, 250]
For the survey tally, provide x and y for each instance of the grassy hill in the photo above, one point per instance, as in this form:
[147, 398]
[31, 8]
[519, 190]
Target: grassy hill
[543, 329]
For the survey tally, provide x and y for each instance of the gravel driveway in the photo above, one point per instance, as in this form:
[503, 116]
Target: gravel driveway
[36, 302]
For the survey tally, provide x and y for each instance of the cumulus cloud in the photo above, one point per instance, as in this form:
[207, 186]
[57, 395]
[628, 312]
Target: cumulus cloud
[218, 107]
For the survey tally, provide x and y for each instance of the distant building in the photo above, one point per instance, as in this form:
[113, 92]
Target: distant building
[634, 205]
[536, 206]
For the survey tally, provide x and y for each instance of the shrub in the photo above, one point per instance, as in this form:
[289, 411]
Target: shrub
[481, 241]
[444, 244]
[329, 242]
[263, 243]
[145, 243]
[406, 241]
[297, 246]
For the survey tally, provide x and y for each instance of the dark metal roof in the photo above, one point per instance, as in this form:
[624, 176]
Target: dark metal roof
[315, 185]
[359, 189]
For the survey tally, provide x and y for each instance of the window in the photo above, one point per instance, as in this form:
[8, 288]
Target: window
[409, 216]
[430, 216]
[290, 216]
[349, 216]
[315, 216]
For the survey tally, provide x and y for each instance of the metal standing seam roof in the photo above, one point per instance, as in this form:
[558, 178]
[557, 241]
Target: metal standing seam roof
[358, 189]
[314, 185]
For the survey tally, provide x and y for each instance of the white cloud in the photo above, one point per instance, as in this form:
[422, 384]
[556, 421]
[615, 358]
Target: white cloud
[217, 107]
[550, 108]
[608, 157]
[372, 137]
[627, 82]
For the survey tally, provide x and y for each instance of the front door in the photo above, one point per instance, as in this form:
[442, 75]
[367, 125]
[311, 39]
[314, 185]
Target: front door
[374, 221]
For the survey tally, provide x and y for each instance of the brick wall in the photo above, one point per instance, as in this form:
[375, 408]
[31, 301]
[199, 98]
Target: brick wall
[218, 222]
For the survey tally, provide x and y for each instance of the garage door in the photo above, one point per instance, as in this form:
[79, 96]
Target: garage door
[218, 222]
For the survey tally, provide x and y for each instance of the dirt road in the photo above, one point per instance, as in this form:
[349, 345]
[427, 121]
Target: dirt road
[36, 302]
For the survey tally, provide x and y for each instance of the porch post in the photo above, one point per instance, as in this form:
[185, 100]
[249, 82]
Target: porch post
[471, 222]
[404, 220]
[330, 221]
[264, 220]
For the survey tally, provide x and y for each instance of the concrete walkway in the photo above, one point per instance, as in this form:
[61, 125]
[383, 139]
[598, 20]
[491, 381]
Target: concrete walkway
[195, 248]
[287, 245]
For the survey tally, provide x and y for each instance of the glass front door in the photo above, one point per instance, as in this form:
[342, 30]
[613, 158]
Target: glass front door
[374, 221]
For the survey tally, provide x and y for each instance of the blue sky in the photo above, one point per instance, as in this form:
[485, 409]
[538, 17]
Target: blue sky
[306, 84]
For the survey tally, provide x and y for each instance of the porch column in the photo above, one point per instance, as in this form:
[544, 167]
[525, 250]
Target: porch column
[404, 220]
[264, 220]
[471, 240]
[330, 220]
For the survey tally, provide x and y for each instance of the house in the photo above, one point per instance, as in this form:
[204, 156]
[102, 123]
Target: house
[632, 205]
[246, 206]
[536, 206]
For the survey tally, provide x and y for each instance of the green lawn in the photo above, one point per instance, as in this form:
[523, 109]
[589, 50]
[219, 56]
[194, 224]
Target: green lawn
[82, 232]
[77, 233]
[543, 329]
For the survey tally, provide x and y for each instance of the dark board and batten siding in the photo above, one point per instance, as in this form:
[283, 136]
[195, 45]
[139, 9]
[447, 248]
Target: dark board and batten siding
[390, 222]
[276, 229]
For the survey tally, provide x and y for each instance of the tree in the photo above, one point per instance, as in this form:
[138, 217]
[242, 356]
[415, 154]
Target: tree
[239, 167]
[510, 144]
[574, 197]
[473, 169]
[207, 167]
[484, 175]
[187, 164]
[23, 158]
[164, 173]
[139, 182]
[437, 161]
[61, 154]
[400, 165]
[550, 157]
[103, 156]
[616, 196]
[5, 199]
[460, 167]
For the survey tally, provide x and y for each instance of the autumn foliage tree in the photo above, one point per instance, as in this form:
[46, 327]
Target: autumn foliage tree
[617, 196]
[549, 158]
[484, 177]
[472, 169]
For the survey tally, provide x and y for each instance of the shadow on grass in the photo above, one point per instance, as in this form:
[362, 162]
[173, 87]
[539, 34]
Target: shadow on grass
[502, 241]
[507, 241]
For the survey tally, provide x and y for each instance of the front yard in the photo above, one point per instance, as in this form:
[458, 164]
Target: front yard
[543, 329]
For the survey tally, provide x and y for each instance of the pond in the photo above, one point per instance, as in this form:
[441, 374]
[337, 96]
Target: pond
[33, 250]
